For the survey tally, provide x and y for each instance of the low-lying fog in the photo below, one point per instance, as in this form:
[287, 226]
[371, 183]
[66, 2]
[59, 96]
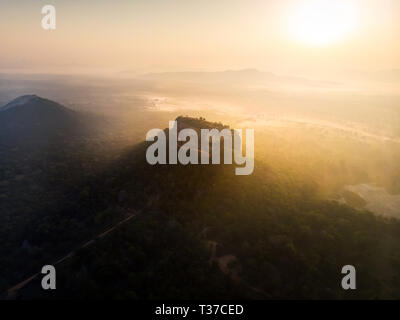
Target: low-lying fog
[370, 104]
[336, 132]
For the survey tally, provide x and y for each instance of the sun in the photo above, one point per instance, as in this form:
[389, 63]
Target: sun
[323, 22]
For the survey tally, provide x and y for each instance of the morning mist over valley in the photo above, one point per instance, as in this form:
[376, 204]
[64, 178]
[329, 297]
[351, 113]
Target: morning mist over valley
[317, 82]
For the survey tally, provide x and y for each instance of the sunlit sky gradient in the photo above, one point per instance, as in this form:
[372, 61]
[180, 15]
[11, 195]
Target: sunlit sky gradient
[177, 35]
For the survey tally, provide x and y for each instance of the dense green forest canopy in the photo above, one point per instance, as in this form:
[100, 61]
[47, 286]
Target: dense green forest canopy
[199, 232]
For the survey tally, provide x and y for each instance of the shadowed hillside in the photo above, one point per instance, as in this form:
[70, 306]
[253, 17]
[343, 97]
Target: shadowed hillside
[203, 232]
[29, 121]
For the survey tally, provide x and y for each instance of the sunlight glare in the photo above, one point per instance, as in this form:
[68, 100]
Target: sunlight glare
[322, 22]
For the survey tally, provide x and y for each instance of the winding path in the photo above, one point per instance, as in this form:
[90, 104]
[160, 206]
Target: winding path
[12, 292]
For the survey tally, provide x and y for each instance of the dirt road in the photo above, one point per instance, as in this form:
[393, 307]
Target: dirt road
[12, 292]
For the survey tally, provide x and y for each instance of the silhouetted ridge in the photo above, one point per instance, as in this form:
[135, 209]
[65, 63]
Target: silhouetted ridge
[30, 119]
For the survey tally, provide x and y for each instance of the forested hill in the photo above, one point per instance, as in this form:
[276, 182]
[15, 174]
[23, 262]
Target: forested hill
[203, 232]
[30, 120]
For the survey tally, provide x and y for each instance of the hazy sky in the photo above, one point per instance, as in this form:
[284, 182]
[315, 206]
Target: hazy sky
[165, 35]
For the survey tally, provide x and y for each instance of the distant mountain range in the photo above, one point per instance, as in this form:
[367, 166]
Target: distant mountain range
[244, 76]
